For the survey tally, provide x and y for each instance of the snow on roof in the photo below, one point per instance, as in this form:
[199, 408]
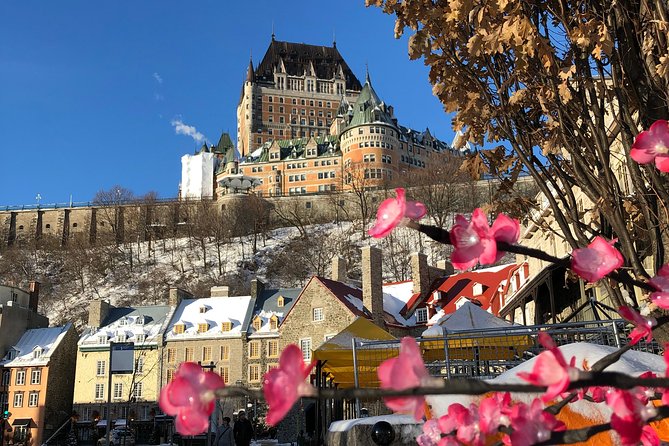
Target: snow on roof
[256, 153]
[468, 317]
[141, 325]
[234, 309]
[356, 302]
[395, 298]
[265, 327]
[35, 347]
[345, 425]
[632, 363]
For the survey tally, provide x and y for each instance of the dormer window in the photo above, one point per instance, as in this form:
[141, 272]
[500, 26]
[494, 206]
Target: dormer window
[122, 321]
[257, 323]
[12, 354]
[274, 323]
[203, 309]
[102, 339]
[421, 315]
[141, 337]
[179, 328]
[139, 320]
[226, 326]
[37, 353]
[121, 337]
[203, 327]
[280, 302]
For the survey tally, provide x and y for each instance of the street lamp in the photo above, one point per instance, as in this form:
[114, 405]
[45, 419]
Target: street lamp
[38, 198]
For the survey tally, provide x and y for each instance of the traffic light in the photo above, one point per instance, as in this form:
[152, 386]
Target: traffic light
[6, 414]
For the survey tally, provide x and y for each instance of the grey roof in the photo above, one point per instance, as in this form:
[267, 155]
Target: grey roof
[267, 300]
[327, 145]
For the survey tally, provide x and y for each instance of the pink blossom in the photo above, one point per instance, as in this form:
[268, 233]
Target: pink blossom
[189, 397]
[550, 369]
[597, 260]
[665, 394]
[531, 424]
[475, 241]
[629, 416]
[282, 386]
[393, 211]
[653, 145]
[661, 283]
[431, 434]
[643, 326]
[404, 372]
[493, 412]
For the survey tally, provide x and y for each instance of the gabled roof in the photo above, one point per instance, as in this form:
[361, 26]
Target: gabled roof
[297, 58]
[327, 145]
[468, 317]
[36, 346]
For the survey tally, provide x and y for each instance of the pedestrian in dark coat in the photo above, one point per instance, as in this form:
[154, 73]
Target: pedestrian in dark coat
[224, 434]
[243, 430]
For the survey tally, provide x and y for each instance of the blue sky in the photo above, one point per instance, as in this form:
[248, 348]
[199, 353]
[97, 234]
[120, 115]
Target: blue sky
[89, 89]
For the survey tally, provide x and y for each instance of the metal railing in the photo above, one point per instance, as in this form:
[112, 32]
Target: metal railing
[487, 353]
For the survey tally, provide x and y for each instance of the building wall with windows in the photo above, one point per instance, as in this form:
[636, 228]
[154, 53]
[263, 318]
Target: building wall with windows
[39, 371]
[133, 394]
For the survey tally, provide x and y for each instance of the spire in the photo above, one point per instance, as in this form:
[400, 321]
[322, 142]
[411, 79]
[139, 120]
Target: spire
[250, 74]
[367, 80]
[273, 36]
[334, 38]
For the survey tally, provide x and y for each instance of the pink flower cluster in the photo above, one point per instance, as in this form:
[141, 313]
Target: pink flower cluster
[551, 370]
[476, 242]
[405, 371]
[475, 425]
[597, 260]
[652, 145]
[643, 326]
[285, 384]
[661, 284]
[394, 211]
[189, 397]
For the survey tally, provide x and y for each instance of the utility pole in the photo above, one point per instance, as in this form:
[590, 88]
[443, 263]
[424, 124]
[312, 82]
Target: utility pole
[209, 368]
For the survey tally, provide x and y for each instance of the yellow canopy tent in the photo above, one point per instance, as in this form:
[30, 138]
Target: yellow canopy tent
[473, 333]
[337, 353]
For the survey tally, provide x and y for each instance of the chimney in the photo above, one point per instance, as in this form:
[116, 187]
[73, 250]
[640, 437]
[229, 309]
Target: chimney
[176, 295]
[220, 291]
[257, 287]
[420, 273]
[34, 295]
[338, 269]
[372, 283]
[97, 312]
[446, 266]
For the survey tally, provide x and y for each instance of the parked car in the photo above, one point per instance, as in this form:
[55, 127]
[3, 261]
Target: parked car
[120, 436]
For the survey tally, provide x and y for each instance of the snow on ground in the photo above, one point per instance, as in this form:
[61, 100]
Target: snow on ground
[632, 363]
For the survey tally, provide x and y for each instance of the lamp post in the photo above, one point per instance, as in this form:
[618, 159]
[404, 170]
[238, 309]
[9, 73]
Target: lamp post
[209, 368]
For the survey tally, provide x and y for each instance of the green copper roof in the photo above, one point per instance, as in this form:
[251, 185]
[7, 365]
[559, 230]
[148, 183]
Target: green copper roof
[224, 143]
[369, 108]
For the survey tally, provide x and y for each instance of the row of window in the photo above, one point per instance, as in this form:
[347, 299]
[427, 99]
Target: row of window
[293, 134]
[328, 104]
[33, 399]
[377, 130]
[180, 328]
[101, 366]
[206, 354]
[20, 377]
[413, 161]
[117, 391]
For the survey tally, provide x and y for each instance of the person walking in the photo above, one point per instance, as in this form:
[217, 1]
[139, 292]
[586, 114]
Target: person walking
[243, 430]
[224, 434]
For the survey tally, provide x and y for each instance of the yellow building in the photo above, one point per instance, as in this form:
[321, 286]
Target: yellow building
[133, 395]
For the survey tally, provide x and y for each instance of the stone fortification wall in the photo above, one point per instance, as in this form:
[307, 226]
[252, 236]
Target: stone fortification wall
[159, 219]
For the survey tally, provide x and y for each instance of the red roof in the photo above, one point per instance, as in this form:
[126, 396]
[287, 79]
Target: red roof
[462, 284]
